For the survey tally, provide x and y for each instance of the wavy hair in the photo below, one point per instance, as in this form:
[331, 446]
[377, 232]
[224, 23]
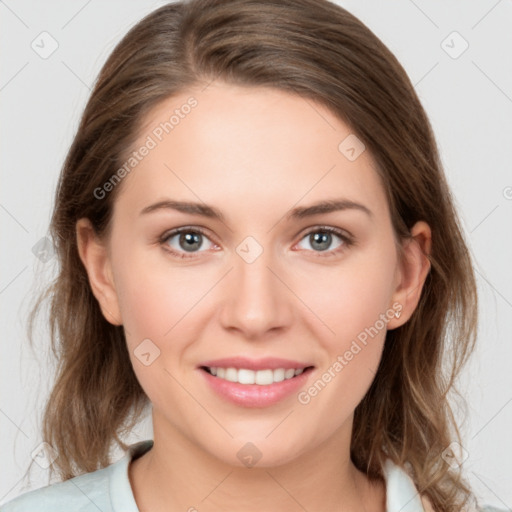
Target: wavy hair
[319, 51]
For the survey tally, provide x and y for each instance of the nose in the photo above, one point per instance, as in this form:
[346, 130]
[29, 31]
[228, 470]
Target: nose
[257, 299]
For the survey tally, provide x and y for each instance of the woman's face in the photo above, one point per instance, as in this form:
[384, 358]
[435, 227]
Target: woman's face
[264, 280]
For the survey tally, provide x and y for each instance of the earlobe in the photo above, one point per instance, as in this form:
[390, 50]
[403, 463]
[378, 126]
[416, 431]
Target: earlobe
[413, 271]
[95, 258]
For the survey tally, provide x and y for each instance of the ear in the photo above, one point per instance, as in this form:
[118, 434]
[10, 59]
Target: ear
[96, 260]
[412, 272]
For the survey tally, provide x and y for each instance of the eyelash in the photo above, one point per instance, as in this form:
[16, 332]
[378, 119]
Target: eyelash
[348, 241]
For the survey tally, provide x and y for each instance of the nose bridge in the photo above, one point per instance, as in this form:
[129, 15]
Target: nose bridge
[257, 299]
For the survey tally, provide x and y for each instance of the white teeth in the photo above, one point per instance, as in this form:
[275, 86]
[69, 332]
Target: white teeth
[279, 375]
[246, 376]
[264, 377]
[288, 374]
[261, 377]
[231, 375]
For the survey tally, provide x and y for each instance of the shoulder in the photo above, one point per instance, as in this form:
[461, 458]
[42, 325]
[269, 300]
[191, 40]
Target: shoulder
[88, 492]
[402, 494]
[106, 489]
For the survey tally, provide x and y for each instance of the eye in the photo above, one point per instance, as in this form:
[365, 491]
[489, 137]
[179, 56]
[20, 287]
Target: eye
[181, 241]
[321, 238]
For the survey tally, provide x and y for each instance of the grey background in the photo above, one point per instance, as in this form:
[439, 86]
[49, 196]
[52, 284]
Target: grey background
[469, 102]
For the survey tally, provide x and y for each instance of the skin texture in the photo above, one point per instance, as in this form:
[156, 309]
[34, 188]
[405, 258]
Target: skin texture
[254, 154]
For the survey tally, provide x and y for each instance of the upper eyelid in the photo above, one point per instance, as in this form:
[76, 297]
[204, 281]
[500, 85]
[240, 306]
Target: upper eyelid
[327, 227]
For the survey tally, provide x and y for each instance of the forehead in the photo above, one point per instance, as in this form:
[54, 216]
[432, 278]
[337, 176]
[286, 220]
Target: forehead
[247, 150]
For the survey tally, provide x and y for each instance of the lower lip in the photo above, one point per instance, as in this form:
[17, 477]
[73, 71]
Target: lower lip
[255, 395]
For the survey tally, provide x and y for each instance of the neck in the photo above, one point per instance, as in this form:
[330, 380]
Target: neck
[177, 475]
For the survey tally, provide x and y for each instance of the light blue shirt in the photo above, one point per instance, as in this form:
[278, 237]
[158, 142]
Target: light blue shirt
[109, 490]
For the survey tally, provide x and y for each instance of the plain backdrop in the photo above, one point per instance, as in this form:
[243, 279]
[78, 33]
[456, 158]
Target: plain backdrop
[458, 56]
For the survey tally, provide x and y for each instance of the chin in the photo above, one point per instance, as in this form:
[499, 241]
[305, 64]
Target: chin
[258, 453]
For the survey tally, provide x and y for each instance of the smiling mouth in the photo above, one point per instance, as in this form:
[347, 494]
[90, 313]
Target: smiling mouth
[262, 377]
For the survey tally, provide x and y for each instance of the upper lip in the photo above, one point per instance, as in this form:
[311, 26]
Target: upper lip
[271, 363]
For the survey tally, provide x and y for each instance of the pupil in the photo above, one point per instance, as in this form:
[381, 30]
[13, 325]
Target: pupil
[319, 238]
[192, 240]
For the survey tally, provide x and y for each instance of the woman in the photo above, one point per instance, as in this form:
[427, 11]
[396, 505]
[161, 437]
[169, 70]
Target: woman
[257, 239]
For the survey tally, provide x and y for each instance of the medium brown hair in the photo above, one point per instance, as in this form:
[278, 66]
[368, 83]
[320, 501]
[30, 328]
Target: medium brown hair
[319, 51]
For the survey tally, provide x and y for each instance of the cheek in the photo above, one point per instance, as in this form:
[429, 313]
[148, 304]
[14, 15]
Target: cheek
[349, 299]
[353, 303]
[164, 304]
[154, 297]
[356, 307]
[155, 303]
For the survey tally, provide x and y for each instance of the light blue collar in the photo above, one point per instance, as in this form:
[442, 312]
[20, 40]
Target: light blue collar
[121, 494]
[401, 493]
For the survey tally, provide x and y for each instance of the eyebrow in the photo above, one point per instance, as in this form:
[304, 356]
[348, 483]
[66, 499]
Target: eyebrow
[328, 206]
[185, 207]
[299, 212]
